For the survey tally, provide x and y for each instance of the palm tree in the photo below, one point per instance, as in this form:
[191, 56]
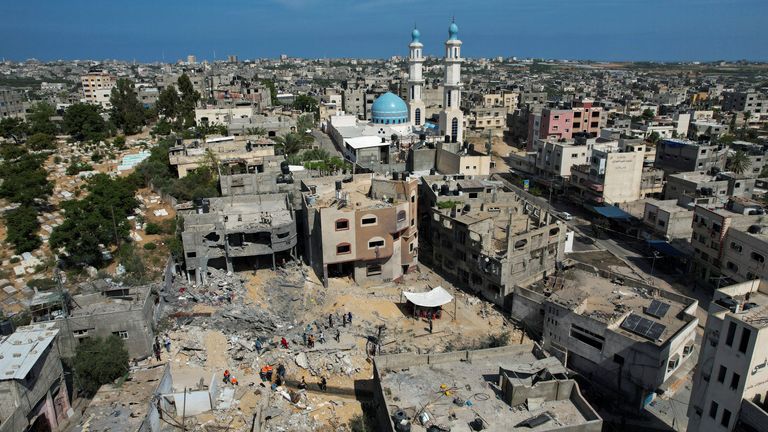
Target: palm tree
[291, 143]
[739, 162]
[258, 131]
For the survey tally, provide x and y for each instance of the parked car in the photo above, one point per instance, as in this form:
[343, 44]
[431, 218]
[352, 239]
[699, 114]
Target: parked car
[565, 216]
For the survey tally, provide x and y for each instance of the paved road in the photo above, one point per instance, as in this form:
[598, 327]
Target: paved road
[324, 142]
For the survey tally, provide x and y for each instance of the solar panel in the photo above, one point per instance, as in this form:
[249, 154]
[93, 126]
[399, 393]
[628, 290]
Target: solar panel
[657, 309]
[643, 327]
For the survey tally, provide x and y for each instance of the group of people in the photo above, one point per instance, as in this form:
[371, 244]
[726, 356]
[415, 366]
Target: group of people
[322, 385]
[156, 347]
[229, 378]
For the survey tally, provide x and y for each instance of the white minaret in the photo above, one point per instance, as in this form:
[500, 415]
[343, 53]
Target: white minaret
[451, 117]
[416, 108]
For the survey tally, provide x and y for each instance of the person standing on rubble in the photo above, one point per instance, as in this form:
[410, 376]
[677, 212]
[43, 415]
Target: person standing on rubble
[284, 342]
[349, 317]
[304, 337]
[167, 343]
[338, 335]
[258, 346]
[281, 371]
[330, 320]
[311, 341]
[226, 376]
[430, 325]
[302, 384]
[323, 384]
[321, 337]
[343, 320]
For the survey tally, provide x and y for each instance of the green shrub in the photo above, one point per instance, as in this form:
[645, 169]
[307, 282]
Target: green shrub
[150, 246]
[152, 229]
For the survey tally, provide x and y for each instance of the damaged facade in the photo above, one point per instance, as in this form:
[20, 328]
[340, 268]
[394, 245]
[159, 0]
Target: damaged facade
[252, 152]
[486, 237]
[237, 232]
[362, 226]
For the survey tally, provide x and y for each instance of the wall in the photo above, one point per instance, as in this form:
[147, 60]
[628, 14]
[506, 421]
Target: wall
[422, 159]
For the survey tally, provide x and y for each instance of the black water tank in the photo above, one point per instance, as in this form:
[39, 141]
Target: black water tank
[6, 327]
[422, 137]
[435, 187]
[445, 189]
[338, 185]
[403, 176]
[284, 167]
[471, 148]
[206, 205]
[394, 175]
[432, 171]
[754, 229]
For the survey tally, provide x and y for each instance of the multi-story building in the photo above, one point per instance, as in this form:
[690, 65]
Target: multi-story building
[703, 188]
[192, 154]
[550, 124]
[33, 390]
[237, 232]
[11, 103]
[752, 101]
[97, 87]
[521, 389]
[588, 118]
[667, 219]
[630, 339]
[488, 118]
[555, 159]
[614, 174]
[745, 250]
[485, 237]
[676, 155]
[363, 226]
[729, 385]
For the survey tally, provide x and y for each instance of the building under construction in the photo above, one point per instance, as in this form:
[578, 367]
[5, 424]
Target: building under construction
[237, 233]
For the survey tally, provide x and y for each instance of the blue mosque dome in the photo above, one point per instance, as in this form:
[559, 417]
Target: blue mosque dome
[415, 35]
[453, 31]
[389, 109]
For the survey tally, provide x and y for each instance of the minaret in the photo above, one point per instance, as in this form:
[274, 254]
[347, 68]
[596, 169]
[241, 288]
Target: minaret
[451, 117]
[416, 107]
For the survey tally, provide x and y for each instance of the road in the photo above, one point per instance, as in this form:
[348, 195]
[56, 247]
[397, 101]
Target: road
[324, 142]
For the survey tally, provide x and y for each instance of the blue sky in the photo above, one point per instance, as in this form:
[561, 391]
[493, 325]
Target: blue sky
[562, 29]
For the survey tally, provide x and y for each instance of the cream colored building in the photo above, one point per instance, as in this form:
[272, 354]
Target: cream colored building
[97, 87]
[245, 151]
[731, 379]
[613, 175]
[222, 116]
[745, 251]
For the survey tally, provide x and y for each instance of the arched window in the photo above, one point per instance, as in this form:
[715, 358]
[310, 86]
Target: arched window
[343, 248]
[418, 116]
[342, 224]
[375, 242]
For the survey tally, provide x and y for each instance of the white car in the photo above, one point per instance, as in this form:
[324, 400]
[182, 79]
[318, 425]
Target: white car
[565, 216]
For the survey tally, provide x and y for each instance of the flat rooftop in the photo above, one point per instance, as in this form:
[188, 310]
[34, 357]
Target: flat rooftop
[745, 301]
[242, 212]
[355, 191]
[20, 351]
[415, 385]
[611, 303]
[669, 206]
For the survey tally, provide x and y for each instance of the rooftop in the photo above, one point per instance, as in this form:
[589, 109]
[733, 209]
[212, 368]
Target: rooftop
[612, 303]
[355, 191]
[453, 395]
[20, 351]
[241, 212]
[745, 301]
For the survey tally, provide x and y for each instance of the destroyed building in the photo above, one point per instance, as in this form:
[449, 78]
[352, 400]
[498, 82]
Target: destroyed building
[275, 175]
[486, 237]
[252, 152]
[237, 232]
[33, 390]
[515, 387]
[101, 309]
[363, 226]
[621, 334]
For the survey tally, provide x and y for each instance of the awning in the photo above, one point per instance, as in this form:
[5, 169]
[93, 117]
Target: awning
[437, 297]
[665, 248]
[611, 212]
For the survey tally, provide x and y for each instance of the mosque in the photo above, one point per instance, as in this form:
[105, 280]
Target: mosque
[391, 115]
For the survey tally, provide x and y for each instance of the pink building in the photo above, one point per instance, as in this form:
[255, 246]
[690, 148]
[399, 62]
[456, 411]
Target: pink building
[587, 118]
[552, 124]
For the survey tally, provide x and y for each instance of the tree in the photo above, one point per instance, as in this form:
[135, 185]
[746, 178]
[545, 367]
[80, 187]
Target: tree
[168, 103]
[305, 123]
[99, 361]
[739, 162]
[269, 84]
[39, 119]
[647, 114]
[126, 113]
[292, 142]
[258, 131]
[83, 121]
[305, 103]
[41, 141]
[189, 99]
[22, 226]
[13, 128]
[24, 179]
[654, 137]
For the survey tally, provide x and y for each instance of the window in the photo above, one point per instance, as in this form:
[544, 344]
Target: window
[713, 409]
[448, 104]
[590, 338]
[191, 254]
[368, 220]
[401, 216]
[343, 248]
[735, 246]
[726, 418]
[744, 343]
[735, 378]
[757, 257]
[418, 116]
[721, 374]
[731, 333]
[372, 244]
[731, 266]
[122, 334]
[373, 270]
[342, 224]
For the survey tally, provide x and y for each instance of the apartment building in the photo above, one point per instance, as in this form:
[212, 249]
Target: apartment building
[713, 190]
[614, 174]
[519, 388]
[485, 119]
[677, 155]
[361, 226]
[239, 232]
[506, 99]
[667, 219]
[709, 240]
[194, 153]
[588, 118]
[752, 101]
[730, 385]
[97, 87]
[486, 237]
[550, 124]
[33, 389]
[630, 339]
[11, 103]
[745, 250]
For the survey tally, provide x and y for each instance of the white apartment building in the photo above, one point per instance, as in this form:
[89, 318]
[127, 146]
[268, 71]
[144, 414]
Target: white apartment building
[97, 87]
[731, 380]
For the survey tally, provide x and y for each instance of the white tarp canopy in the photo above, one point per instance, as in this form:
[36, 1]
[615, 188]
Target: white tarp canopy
[437, 297]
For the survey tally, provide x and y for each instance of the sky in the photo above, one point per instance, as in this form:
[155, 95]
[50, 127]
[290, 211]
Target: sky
[169, 30]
